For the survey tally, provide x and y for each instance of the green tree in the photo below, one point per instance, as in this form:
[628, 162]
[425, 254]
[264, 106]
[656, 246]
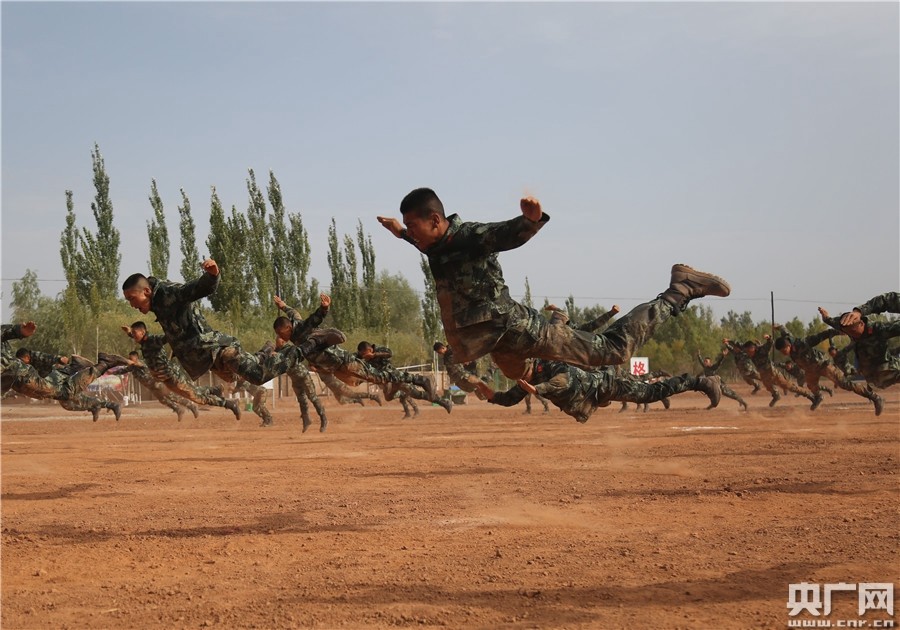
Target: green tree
[352, 294]
[190, 257]
[158, 236]
[298, 262]
[259, 244]
[285, 281]
[101, 249]
[339, 283]
[368, 296]
[70, 255]
[26, 295]
[526, 300]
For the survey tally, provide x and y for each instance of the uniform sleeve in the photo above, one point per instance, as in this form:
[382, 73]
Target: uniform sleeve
[510, 397]
[884, 303]
[481, 239]
[196, 289]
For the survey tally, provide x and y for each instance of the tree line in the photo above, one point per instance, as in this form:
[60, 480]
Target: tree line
[266, 252]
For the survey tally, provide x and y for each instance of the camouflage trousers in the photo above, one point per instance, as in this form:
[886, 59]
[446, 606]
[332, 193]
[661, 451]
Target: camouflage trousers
[629, 389]
[776, 377]
[83, 402]
[180, 384]
[57, 385]
[259, 396]
[342, 393]
[833, 373]
[305, 391]
[464, 379]
[531, 335]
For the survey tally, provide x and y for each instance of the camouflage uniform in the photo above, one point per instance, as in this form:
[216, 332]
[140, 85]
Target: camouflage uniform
[201, 349]
[884, 303]
[744, 365]
[578, 392]
[342, 393]
[145, 377]
[348, 367]
[480, 317]
[817, 364]
[403, 391]
[713, 370]
[26, 380]
[460, 376]
[45, 363]
[653, 376]
[172, 375]
[260, 395]
[541, 400]
[772, 376]
[876, 362]
[305, 390]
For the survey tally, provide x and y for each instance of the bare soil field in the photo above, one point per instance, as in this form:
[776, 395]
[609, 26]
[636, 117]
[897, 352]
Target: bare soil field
[484, 518]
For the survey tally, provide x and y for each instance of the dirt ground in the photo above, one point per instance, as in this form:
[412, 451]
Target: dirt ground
[485, 518]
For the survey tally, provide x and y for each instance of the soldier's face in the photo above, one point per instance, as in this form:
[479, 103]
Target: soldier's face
[785, 351]
[284, 333]
[856, 330]
[425, 231]
[139, 298]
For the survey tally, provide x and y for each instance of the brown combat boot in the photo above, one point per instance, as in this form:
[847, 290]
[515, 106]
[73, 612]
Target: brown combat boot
[687, 284]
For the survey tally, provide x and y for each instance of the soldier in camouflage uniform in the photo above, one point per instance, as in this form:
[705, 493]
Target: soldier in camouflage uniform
[771, 375]
[480, 317]
[259, 396]
[57, 385]
[744, 365]
[579, 392]
[711, 368]
[194, 343]
[884, 303]
[45, 364]
[342, 392]
[816, 364]
[171, 374]
[463, 378]
[343, 364]
[145, 377]
[877, 363]
[379, 357]
[653, 376]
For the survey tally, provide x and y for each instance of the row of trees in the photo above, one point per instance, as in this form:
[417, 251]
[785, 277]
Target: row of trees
[266, 251]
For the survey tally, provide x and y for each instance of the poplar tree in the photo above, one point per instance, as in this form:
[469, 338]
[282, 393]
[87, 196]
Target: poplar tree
[368, 295]
[158, 237]
[285, 281]
[298, 262]
[351, 296]
[190, 257]
[259, 246]
[339, 289]
[527, 301]
[220, 247]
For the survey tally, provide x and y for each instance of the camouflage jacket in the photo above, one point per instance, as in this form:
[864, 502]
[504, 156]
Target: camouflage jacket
[142, 373]
[712, 368]
[153, 351]
[884, 303]
[476, 308]
[382, 358]
[300, 328]
[192, 339]
[575, 391]
[804, 351]
[44, 362]
[9, 332]
[875, 360]
[332, 359]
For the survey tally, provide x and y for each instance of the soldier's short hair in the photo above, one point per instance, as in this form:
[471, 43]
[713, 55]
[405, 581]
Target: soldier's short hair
[281, 322]
[139, 324]
[23, 353]
[133, 353]
[422, 202]
[133, 280]
[748, 344]
[437, 346]
[781, 343]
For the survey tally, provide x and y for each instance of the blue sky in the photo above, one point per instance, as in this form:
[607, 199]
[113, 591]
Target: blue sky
[758, 141]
